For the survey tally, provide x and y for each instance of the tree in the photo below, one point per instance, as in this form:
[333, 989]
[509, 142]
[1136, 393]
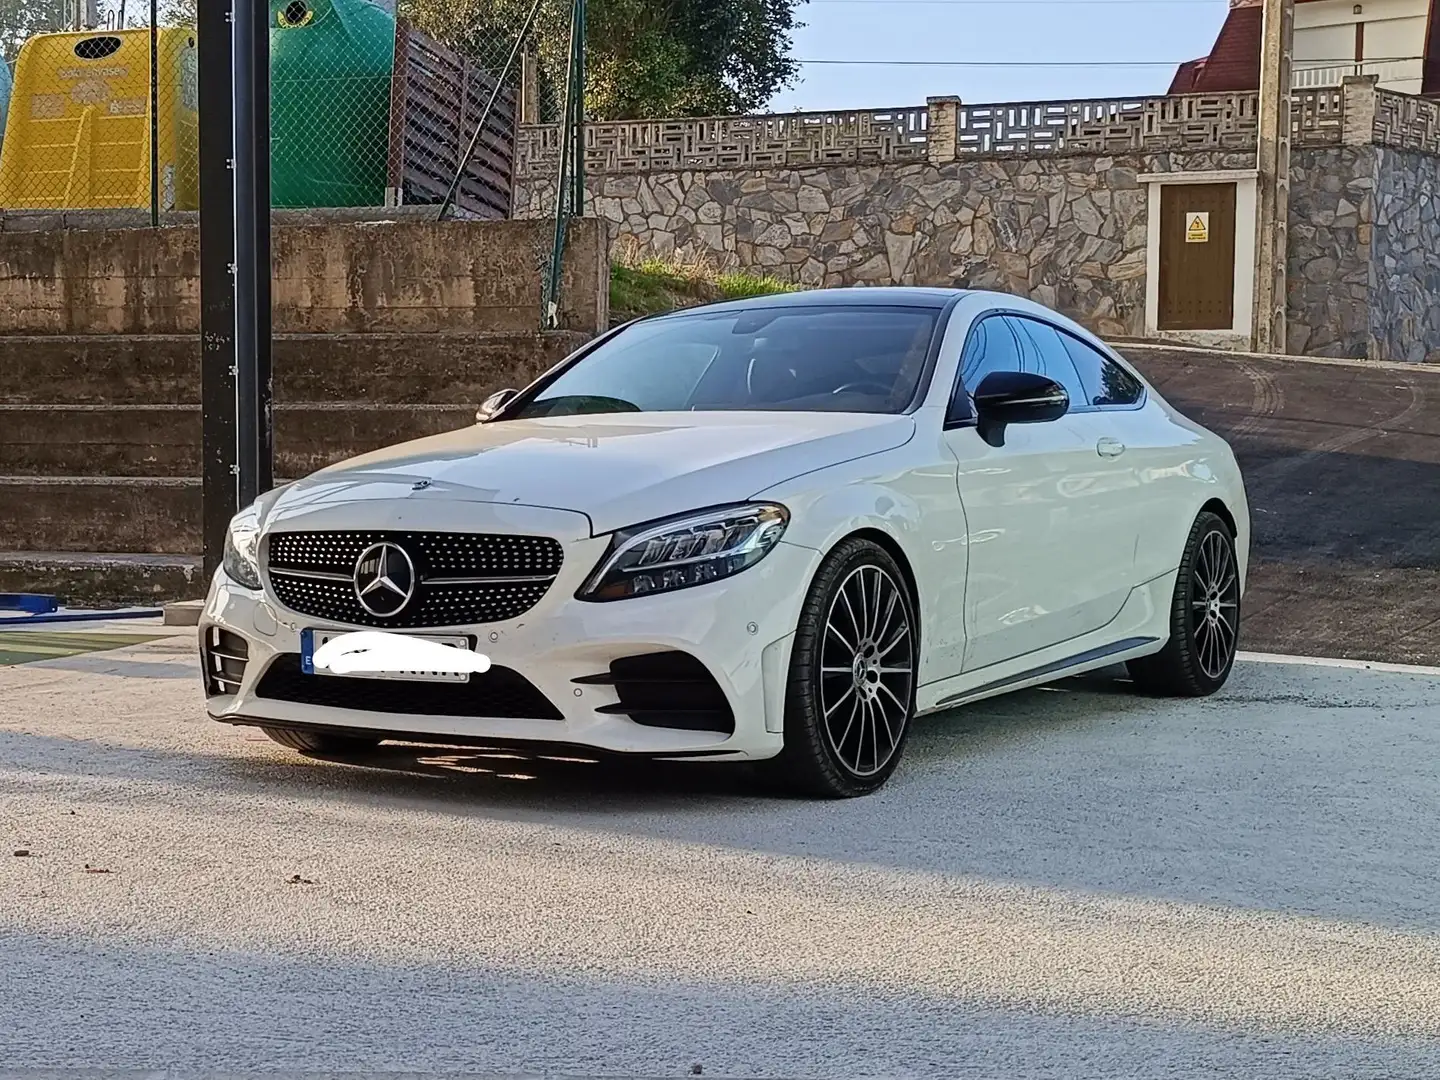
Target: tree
[20, 20]
[646, 58]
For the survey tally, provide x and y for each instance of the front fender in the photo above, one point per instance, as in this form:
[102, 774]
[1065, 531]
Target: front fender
[915, 507]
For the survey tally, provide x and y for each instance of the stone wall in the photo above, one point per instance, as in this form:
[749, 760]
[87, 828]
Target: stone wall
[1329, 273]
[456, 276]
[1405, 257]
[1066, 231]
[1042, 199]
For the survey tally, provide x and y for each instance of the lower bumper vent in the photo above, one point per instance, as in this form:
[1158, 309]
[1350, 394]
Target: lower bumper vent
[499, 693]
[224, 655]
[666, 690]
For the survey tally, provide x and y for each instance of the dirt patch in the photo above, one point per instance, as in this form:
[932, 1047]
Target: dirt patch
[1342, 468]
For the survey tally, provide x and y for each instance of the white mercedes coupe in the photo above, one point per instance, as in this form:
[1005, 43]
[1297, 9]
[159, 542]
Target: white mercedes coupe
[771, 531]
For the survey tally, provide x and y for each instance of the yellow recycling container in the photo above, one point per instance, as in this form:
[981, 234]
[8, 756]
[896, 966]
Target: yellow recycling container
[78, 132]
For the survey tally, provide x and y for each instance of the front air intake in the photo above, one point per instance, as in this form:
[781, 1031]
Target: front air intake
[666, 690]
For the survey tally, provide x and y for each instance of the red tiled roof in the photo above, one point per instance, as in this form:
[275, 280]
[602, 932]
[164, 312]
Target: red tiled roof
[1185, 76]
[1234, 62]
[1430, 77]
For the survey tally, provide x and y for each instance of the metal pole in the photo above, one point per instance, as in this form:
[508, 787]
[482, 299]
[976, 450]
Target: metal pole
[154, 112]
[217, 284]
[564, 191]
[577, 205]
[254, 444]
[1272, 210]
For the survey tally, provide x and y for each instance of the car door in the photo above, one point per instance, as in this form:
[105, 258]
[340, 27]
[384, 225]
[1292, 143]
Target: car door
[1100, 399]
[1041, 552]
[1152, 486]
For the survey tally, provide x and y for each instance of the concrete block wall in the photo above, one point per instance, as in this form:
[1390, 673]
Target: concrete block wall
[386, 333]
[458, 276]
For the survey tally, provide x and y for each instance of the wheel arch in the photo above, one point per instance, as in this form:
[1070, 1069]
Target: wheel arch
[892, 547]
[1220, 510]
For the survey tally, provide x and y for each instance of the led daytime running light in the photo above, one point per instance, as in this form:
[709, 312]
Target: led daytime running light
[686, 552]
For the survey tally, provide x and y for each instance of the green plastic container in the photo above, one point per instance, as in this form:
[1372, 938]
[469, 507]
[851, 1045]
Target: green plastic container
[331, 63]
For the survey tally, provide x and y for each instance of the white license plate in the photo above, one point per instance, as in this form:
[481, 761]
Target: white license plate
[312, 640]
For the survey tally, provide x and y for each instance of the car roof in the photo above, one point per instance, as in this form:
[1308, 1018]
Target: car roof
[889, 295]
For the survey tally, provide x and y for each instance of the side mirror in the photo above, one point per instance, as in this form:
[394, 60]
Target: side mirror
[493, 404]
[1016, 397]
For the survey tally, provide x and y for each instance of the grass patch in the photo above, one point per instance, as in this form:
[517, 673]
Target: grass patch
[28, 646]
[642, 283]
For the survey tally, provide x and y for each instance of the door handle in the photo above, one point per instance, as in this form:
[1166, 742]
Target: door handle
[1108, 447]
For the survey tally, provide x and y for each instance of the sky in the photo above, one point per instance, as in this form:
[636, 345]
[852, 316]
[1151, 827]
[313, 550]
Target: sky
[1020, 40]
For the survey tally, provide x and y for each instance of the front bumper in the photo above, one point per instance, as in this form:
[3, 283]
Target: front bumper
[740, 629]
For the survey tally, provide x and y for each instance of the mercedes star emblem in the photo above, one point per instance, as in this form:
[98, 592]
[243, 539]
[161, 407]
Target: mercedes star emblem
[384, 579]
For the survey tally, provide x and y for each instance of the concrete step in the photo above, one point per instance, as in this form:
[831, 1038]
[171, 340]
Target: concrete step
[436, 369]
[96, 580]
[100, 514]
[164, 440]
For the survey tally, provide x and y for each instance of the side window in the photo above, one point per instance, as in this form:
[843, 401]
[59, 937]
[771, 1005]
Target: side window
[997, 349]
[1053, 360]
[1106, 382]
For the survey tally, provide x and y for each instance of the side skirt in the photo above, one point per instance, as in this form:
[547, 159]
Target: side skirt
[1072, 665]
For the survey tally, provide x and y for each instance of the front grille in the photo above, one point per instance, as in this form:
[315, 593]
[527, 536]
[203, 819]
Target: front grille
[500, 693]
[666, 690]
[461, 579]
[224, 656]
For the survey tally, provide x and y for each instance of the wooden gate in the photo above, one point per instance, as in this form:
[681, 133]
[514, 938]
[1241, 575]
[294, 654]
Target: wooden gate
[437, 99]
[1197, 256]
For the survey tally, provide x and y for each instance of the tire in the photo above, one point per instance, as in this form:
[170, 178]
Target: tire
[320, 742]
[836, 668]
[1204, 618]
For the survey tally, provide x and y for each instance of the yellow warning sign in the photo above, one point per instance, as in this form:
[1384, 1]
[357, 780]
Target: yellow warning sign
[1197, 229]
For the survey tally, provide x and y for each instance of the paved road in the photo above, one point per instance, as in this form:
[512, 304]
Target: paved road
[1342, 464]
[1067, 882]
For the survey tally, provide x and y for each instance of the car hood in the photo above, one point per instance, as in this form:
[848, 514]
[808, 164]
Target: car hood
[618, 469]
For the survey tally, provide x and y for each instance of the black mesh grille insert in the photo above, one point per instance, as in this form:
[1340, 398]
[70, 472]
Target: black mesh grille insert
[500, 693]
[313, 573]
[667, 690]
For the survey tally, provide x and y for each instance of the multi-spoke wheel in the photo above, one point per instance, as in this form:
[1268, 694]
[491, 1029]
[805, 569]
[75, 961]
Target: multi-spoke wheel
[1204, 618]
[852, 677]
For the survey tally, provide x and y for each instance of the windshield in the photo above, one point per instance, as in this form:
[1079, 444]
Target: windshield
[811, 359]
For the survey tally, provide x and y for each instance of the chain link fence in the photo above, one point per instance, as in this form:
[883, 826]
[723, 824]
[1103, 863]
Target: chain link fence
[371, 107]
[101, 112]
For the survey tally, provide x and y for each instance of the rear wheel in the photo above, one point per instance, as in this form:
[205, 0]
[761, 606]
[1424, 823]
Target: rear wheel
[851, 692]
[1204, 618]
[320, 742]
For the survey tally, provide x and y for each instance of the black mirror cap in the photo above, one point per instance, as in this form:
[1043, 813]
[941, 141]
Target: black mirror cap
[1017, 397]
[494, 404]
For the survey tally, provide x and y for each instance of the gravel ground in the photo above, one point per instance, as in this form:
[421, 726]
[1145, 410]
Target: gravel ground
[1066, 882]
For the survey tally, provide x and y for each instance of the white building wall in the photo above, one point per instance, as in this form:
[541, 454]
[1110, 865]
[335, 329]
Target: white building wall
[1393, 49]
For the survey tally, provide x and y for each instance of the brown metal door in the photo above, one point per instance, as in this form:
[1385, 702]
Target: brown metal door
[1197, 265]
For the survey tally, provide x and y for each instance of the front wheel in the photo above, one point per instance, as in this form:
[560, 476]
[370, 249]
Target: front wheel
[851, 692]
[1204, 618]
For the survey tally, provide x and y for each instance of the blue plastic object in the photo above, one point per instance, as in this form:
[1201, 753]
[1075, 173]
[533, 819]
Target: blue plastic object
[31, 603]
[7, 84]
[73, 617]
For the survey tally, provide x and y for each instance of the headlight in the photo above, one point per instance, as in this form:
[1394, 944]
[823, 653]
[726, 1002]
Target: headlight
[242, 549]
[685, 551]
